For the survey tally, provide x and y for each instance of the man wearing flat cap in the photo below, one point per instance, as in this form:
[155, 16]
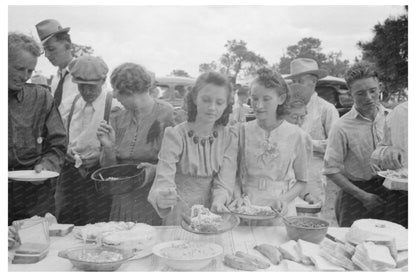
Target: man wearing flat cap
[57, 45]
[321, 116]
[77, 200]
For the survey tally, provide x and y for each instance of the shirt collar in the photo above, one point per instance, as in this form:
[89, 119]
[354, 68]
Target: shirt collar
[61, 72]
[381, 110]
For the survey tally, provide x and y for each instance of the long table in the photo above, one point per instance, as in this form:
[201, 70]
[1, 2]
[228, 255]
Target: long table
[242, 238]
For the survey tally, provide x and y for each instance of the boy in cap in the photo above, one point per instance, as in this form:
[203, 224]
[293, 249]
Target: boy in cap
[77, 200]
[318, 122]
[57, 45]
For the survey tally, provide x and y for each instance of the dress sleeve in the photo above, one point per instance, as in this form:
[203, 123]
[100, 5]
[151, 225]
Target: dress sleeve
[169, 156]
[303, 157]
[336, 151]
[224, 181]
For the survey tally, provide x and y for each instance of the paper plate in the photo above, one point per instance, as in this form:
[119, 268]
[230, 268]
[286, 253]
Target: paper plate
[31, 175]
[228, 223]
[256, 217]
[386, 175]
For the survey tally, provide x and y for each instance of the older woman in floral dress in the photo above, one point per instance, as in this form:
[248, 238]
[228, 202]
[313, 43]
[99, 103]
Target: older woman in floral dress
[197, 161]
[273, 154]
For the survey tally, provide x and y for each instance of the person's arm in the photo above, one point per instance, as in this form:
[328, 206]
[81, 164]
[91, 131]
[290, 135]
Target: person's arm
[106, 134]
[334, 164]
[330, 115]
[55, 137]
[224, 182]
[300, 167]
[169, 156]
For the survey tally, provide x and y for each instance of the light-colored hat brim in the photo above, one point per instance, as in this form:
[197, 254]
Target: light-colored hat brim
[64, 30]
[321, 73]
[80, 81]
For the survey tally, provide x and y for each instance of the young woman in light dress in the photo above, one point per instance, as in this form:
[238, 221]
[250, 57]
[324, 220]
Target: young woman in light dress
[273, 154]
[197, 160]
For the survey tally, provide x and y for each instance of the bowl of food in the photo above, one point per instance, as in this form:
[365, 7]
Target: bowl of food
[187, 255]
[96, 258]
[118, 179]
[307, 228]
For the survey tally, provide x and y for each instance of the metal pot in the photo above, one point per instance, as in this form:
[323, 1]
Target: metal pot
[118, 179]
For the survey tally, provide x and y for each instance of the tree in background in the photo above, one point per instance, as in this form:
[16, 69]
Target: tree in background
[179, 73]
[389, 51]
[80, 50]
[311, 48]
[238, 61]
[334, 65]
[306, 48]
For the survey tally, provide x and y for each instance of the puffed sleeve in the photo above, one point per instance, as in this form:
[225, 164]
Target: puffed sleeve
[169, 155]
[224, 181]
[336, 151]
[303, 157]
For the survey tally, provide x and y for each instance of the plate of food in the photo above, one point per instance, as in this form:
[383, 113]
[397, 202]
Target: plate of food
[31, 175]
[249, 211]
[399, 175]
[203, 222]
[187, 255]
[91, 232]
[139, 240]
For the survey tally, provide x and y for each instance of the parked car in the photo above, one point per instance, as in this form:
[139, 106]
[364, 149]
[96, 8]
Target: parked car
[173, 89]
[335, 91]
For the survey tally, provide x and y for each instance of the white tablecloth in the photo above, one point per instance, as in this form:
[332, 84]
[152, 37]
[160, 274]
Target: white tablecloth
[241, 238]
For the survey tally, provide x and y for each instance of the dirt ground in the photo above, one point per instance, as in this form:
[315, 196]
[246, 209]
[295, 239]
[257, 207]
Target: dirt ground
[328, 212]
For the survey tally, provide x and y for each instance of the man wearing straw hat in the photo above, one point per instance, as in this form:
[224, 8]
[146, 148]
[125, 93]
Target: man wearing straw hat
[57, 45]
[76, 198]
[321, 115]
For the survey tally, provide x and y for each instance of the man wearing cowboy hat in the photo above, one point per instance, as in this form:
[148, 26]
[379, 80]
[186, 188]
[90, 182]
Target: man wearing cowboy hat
[321, 115]
[57, 45]
[76, 198]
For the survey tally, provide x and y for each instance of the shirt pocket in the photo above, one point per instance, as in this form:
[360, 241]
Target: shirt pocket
[28, 140]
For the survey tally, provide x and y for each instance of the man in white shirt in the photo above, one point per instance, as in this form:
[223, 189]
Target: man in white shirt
[77, 200]
[321, 115]
[57, 45]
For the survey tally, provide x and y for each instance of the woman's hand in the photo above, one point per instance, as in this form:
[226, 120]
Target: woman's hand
[149, 172]
[311, 199]
[166, 198]
[280, 206]
[219, 205]
[106, 134]
[237, 203]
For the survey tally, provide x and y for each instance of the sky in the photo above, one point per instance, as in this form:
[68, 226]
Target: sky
[164, 38]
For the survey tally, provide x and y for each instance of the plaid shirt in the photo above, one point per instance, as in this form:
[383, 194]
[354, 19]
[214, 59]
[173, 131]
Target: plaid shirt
[36, 132]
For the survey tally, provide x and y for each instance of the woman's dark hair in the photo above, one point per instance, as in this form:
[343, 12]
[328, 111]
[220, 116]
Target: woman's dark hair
[203, 80]
[131, 78]
[271, 79]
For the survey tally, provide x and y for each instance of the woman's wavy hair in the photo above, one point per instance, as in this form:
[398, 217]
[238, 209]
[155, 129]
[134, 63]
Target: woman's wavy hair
[204, 79]
[272, 79]
[131, 78]
[18, 41]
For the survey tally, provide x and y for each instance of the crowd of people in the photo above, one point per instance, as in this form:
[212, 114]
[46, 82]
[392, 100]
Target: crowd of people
[213, 158]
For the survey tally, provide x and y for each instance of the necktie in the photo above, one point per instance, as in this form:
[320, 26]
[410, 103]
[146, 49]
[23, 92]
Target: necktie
[59, 90]
[88, 113]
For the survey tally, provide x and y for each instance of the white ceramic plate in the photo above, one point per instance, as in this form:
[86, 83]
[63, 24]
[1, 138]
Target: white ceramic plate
[180, 263]
[31, 175]
[385, 174]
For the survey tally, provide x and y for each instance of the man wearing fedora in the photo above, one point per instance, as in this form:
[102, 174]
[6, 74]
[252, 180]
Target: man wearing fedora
[76, 198]
[57, 45]
[321, 116]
